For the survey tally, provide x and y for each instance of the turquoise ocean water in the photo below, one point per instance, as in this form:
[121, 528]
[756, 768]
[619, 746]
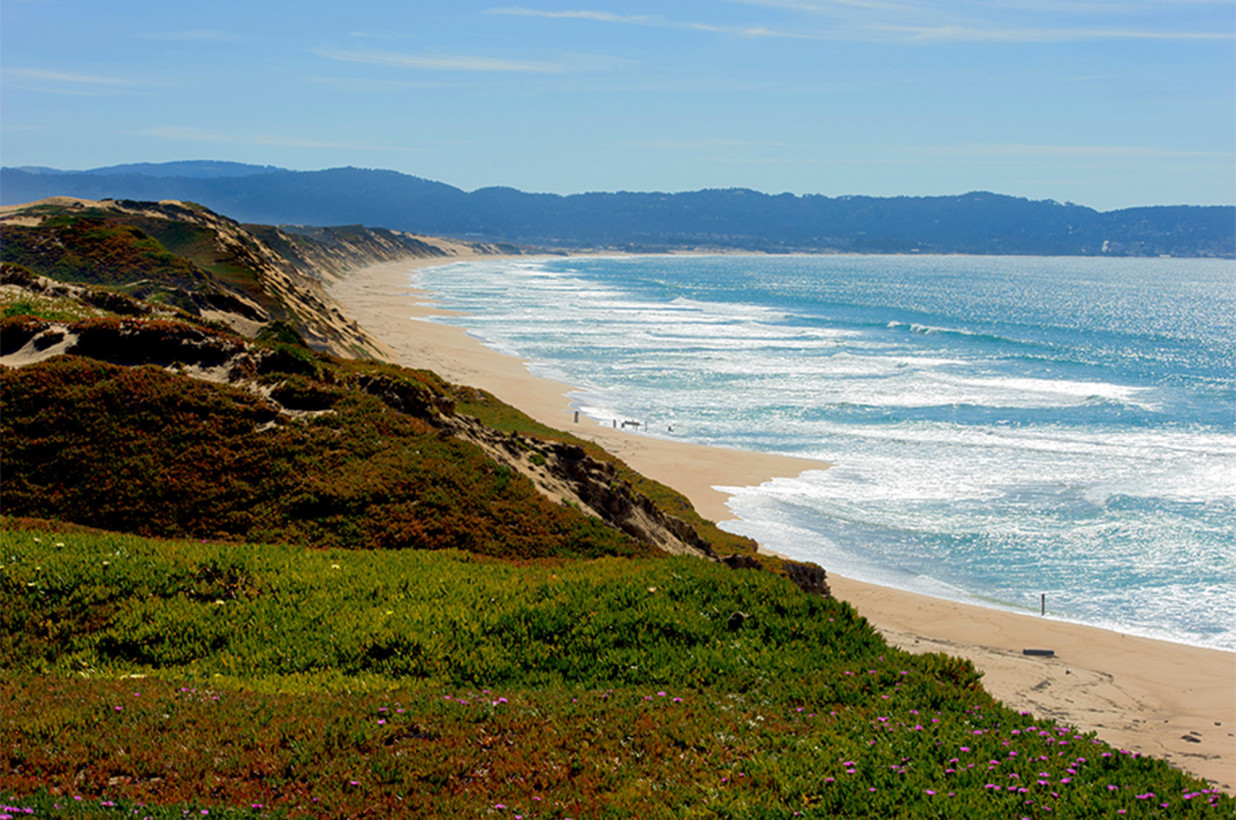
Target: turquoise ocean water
[1001, 427]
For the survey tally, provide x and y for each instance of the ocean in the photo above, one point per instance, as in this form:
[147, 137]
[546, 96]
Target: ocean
[1001, 428]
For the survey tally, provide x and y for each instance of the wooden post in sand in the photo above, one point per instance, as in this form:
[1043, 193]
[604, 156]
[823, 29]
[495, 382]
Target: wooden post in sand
[1043, 603]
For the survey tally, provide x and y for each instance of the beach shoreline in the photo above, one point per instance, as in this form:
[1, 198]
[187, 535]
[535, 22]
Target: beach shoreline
[1173, 701]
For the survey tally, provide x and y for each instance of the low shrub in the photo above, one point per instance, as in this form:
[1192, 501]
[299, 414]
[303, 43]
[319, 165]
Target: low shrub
[142, 450]
[251, 680]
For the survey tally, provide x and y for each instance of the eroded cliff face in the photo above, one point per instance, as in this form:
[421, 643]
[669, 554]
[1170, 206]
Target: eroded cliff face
[242, 277]
[567, 474]
[333, 251]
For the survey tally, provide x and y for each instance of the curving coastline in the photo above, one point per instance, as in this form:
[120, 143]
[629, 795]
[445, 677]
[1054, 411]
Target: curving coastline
[1169, 700]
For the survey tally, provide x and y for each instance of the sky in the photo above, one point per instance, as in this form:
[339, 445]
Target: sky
[1105, 103]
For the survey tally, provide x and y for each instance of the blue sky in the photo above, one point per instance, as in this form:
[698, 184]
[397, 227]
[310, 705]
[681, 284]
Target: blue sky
[1107, 103]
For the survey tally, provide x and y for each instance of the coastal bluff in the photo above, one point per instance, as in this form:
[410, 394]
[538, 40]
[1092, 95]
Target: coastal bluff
[200, 296]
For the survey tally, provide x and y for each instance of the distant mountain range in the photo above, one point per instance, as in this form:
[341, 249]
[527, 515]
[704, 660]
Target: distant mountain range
[977, 222]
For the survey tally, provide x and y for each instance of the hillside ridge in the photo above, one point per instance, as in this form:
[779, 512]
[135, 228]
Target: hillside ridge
[242, 276]
[977, 222]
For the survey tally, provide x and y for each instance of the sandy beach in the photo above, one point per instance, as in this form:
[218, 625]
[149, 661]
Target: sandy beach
[1172, 701]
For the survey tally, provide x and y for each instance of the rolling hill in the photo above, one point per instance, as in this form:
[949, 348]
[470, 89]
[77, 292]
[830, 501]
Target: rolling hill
[976, 222]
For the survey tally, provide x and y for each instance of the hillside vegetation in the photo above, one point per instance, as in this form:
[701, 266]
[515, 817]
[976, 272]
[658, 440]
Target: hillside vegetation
[284, 681]
[240, 576]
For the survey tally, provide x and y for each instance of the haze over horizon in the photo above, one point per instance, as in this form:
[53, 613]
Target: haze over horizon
[1109, 104]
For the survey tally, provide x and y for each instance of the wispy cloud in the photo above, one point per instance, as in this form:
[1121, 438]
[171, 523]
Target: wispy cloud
[753, 32]
[954, 34]
[656, 21]
[201, 34]
[64, 77]
[374, 85]
[832, 7]
[425, 62]
[1102, 6]
[184, 134]
[66, 82]
[1031, 21]
[761, 31]
[597, 16]
[934, 8]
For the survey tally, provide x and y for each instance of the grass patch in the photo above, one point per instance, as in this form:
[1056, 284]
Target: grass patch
[123, 605]
[48, 308]
[366, 683]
